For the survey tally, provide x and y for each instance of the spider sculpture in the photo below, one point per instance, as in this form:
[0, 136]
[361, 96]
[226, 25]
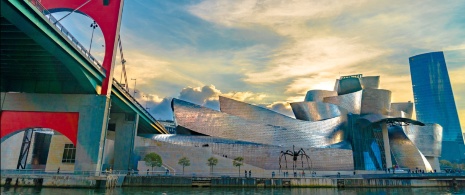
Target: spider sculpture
[294, 154]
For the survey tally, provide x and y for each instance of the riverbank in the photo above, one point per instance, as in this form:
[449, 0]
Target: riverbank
[153, 181]
[120, 180]
[232, 190]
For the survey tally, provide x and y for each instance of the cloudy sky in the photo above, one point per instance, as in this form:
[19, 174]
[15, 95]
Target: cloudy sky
[271, 52]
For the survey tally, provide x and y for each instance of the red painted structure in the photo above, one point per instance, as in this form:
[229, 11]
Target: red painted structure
[107, 14]
[107, 17]
[63, 122]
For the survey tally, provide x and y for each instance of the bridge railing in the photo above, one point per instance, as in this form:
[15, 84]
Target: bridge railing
[59, 27]
[43, 172]
[266, 174]
[131, 98]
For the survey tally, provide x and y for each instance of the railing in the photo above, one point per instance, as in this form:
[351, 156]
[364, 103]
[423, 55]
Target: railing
[43, 172]
[125, 172]
[132, 99]
[4, 172]
[59, 27]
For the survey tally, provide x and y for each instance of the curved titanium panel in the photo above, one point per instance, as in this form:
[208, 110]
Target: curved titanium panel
[318, 95]
[262, 156]
[336, 85]
[427, 138]
[405, 152]
[376, 101]
[351, 102]
[196, 141]
[314, 111]
[370, 82]
[253, 113]
[283, 131]
[262, 115]
[399, 107]
[349, 85]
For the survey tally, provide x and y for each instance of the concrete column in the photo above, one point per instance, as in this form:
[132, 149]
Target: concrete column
[93, 119]
[387, 147]
[126, 130]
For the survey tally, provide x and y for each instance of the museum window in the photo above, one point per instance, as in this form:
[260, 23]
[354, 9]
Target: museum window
[69, 154]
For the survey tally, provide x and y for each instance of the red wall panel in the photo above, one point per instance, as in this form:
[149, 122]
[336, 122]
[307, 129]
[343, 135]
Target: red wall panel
[63, 122]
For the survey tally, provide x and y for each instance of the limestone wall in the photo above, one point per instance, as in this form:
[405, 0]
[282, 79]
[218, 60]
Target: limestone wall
[10, 149]
[55, 155]
[198, 156]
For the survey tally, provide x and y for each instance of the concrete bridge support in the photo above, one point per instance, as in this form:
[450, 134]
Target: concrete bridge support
[92, 111]
[126, 130]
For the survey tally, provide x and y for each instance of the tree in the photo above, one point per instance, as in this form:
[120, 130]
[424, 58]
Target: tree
[237, 162]
[212, 161]
[184, 162]
[445, 163]
[153, 160]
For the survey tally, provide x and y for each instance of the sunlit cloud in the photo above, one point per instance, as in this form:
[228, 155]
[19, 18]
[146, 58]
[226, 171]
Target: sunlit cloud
[312, 57]
[246, 96]
[282, 108]
[207, 96]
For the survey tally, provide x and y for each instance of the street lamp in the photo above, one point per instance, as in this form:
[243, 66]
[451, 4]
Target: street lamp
[93, 26]
[146, 100]
[135, 84]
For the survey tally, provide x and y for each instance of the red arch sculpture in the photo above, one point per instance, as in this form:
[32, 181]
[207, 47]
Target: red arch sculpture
[107, 14]
[63, 122]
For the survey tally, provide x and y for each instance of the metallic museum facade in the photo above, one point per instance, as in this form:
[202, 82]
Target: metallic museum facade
[354, 127]
[434, 100]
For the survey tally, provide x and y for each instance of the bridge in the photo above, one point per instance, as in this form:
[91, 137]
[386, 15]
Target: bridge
[50, 80]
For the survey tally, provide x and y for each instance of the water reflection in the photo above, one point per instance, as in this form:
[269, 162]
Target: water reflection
[233, 191]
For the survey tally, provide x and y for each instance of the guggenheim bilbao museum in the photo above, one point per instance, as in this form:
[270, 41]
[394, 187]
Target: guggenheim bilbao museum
[354, 127]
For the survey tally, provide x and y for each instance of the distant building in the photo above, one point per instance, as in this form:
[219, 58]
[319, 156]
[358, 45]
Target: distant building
[170, 126]
[434, 100]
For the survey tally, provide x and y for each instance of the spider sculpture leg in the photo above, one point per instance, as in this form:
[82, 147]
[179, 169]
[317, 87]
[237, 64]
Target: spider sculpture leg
[285, 160]
[280, 156]
[285, 154]
[302, 161]
[308, 158]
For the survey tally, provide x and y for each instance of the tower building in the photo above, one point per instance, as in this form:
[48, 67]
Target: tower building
[434, 100]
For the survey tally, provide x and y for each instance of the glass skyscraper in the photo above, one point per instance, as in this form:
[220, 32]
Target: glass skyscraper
[434, 100]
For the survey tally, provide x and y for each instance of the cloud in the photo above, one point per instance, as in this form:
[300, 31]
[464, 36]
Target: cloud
[161, 110]
[246, 96]
[281, 107]
[324, 38]
[313, 56]
[207, 96]
[271, 13]
[306, 51]
[199, 95]
[323, 81]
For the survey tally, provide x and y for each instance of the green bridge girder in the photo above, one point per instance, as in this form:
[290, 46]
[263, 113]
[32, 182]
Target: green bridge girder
[37, 58]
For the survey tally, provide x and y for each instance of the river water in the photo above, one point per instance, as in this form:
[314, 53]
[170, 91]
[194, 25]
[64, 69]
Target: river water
[232, 191]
